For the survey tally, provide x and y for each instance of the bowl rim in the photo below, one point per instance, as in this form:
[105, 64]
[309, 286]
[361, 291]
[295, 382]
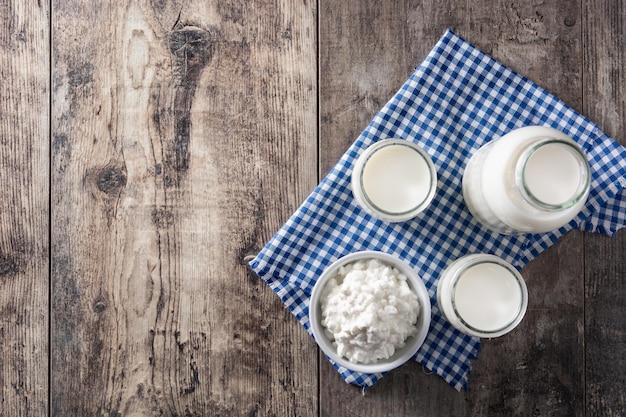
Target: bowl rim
[405, 353]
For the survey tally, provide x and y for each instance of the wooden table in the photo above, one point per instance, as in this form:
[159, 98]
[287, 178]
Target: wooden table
[149, 148]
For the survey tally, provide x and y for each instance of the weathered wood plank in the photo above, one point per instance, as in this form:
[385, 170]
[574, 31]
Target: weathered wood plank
[367, 50]
[24, 207]
[184, 135]
[604, 89]
[605, 325]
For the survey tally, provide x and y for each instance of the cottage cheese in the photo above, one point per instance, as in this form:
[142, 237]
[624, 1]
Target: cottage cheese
[368, 311]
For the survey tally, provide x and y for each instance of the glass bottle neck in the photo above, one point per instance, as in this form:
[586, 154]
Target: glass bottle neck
[553, 174]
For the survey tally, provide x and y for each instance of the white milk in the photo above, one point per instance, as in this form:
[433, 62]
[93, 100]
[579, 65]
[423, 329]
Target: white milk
[487, 297]
[482, 295]
[533, 179]
[394, 180]
[552, 174]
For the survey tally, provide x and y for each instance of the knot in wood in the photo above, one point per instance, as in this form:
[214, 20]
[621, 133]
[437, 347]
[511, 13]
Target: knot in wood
[570, 21]
[192, 49]
[8, 267]
[99, 304]
[111, 180]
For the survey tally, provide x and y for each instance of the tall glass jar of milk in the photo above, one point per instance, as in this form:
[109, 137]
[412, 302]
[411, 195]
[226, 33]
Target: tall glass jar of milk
[532, 180]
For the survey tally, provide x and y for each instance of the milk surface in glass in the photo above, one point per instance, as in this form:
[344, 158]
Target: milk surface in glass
[487, 297]
[552, 174]
[396, 179]
[482, 295]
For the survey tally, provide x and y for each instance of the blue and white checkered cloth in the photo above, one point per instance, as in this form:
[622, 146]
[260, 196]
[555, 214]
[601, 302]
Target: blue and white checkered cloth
[457, 100]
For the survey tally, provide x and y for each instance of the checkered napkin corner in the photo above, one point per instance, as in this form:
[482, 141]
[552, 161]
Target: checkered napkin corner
[446, 352]
[605, 211]
[457, 100]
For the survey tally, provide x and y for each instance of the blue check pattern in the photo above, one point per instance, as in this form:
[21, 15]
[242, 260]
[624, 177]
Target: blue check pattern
[457, 100]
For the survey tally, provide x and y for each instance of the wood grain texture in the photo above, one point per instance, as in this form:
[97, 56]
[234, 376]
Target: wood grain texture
[171, 121]
[24, 208]
[358, 41]
[604, 89]
[168, 142]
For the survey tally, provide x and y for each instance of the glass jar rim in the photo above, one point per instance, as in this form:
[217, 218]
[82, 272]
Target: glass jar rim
[583, 185]
[521, 308]
[365, 199]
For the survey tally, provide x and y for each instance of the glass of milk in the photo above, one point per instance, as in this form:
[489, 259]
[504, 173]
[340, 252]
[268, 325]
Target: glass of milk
[482, 295]
[394, 180]
[532, 180]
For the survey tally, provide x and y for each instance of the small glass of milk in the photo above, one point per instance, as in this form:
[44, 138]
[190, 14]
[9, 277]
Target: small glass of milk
[482, 295]
[532, 180]
[394, 180]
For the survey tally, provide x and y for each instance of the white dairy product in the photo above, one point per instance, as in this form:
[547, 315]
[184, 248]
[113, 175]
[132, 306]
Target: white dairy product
[487, 296]
[482, 295]
[394, 180]
[534, 179]
[368, 310]
[552, 174]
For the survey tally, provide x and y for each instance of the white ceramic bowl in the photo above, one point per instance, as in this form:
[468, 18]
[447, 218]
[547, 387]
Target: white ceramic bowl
[401, 355]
